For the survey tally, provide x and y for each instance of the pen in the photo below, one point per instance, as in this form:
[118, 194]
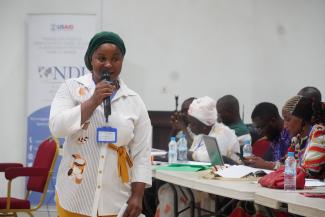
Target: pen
[199, 145]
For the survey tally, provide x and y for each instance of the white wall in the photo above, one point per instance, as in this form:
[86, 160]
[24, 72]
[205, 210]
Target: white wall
[258, 50]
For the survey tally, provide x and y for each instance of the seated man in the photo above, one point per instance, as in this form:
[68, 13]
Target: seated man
[228, 114]
[312, 93]
[203, 120]
[267, 120]
[315, 95]
[179, 121]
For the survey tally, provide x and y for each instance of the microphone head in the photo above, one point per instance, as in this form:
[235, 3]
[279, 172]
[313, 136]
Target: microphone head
[106, 75]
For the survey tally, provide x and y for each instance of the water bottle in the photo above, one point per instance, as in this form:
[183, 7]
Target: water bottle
[247, 148]
[172, 150]
[182, 148]
[290, 172]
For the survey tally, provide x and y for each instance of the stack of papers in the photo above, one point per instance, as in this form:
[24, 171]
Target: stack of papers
[314, 183]
[240, 171]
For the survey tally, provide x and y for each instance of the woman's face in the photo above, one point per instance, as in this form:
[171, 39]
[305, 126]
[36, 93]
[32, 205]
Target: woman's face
[292, 123]
[107, 57]
[197, 127]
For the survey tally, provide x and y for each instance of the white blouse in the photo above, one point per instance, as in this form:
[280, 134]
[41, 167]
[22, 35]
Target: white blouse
[88, 182]
[227, 142]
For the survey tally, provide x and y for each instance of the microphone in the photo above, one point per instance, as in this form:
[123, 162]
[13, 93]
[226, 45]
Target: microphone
[106, 75]
[176, 102]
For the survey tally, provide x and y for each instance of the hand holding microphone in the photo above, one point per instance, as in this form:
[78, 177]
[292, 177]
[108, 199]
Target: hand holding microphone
[106, 76]
[104, 89]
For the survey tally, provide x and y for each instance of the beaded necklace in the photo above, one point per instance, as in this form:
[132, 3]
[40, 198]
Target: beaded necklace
[298, 145]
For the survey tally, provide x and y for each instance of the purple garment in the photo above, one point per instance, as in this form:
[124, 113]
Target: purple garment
[280, 145]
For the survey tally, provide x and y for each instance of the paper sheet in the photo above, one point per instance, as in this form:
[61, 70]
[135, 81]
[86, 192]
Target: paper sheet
[314, 183]
[158, 152]
[238, 171]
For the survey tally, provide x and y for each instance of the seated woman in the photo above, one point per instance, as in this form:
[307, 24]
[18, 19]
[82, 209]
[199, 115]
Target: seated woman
[299, 113]
[203, 120]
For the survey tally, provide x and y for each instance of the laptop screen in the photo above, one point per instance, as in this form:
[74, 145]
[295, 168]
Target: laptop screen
[212, 147]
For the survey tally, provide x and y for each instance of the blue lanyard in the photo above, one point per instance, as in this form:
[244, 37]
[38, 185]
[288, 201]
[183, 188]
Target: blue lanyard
[199, 145]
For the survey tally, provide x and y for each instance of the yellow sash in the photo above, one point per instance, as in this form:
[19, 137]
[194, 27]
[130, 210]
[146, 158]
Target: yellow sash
[122, 158]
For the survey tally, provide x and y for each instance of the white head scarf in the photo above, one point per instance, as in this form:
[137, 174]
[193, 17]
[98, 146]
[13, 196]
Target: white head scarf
[204, 109]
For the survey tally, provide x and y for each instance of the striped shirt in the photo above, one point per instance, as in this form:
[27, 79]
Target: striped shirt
[88, 182]
[313, 160]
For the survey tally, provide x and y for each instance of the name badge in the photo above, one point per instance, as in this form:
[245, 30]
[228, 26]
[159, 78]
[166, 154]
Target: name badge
[107, 134]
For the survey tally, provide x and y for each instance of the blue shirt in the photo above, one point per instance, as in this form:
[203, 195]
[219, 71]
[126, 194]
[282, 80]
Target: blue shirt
[280, 145]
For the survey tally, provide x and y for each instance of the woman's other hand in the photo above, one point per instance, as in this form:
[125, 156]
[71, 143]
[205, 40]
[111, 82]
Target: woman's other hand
[134, 208]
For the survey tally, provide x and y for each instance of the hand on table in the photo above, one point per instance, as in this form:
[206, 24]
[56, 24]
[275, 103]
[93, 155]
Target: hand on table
[258, 162]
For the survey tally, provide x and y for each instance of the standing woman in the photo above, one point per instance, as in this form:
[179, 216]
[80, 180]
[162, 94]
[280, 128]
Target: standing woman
[104, 164]
[299, 118]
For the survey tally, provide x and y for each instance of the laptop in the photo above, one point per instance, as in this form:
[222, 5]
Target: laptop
[212, 147]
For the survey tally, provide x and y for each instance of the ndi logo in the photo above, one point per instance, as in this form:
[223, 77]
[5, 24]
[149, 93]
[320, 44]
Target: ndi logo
[62, 27]
[60, 72]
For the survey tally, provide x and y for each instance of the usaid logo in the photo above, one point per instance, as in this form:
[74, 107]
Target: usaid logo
[62, 27]
[59, 73]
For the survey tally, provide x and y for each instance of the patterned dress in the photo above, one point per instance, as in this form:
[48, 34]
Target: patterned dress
[313, 159]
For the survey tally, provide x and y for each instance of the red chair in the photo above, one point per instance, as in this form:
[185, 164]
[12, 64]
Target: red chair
[39, 177]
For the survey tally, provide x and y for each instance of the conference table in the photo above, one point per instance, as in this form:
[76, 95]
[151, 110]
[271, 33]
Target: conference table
[295, 202]
[246, 190]
[240, 190]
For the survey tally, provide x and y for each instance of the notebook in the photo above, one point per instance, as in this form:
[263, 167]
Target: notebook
[213, 150]
[240, 171]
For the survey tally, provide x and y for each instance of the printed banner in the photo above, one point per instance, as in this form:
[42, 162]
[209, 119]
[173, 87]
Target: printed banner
[56, 45]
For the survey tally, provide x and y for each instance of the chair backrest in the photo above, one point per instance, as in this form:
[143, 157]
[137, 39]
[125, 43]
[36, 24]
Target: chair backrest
[45, 158]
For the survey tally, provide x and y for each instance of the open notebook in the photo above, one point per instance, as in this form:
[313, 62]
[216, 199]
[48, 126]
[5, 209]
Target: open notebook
[240, 171]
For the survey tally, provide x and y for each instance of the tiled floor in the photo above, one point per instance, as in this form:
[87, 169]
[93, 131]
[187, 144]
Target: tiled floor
[45, 214]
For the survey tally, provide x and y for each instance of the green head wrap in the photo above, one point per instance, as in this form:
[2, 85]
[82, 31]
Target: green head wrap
[99, 39]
